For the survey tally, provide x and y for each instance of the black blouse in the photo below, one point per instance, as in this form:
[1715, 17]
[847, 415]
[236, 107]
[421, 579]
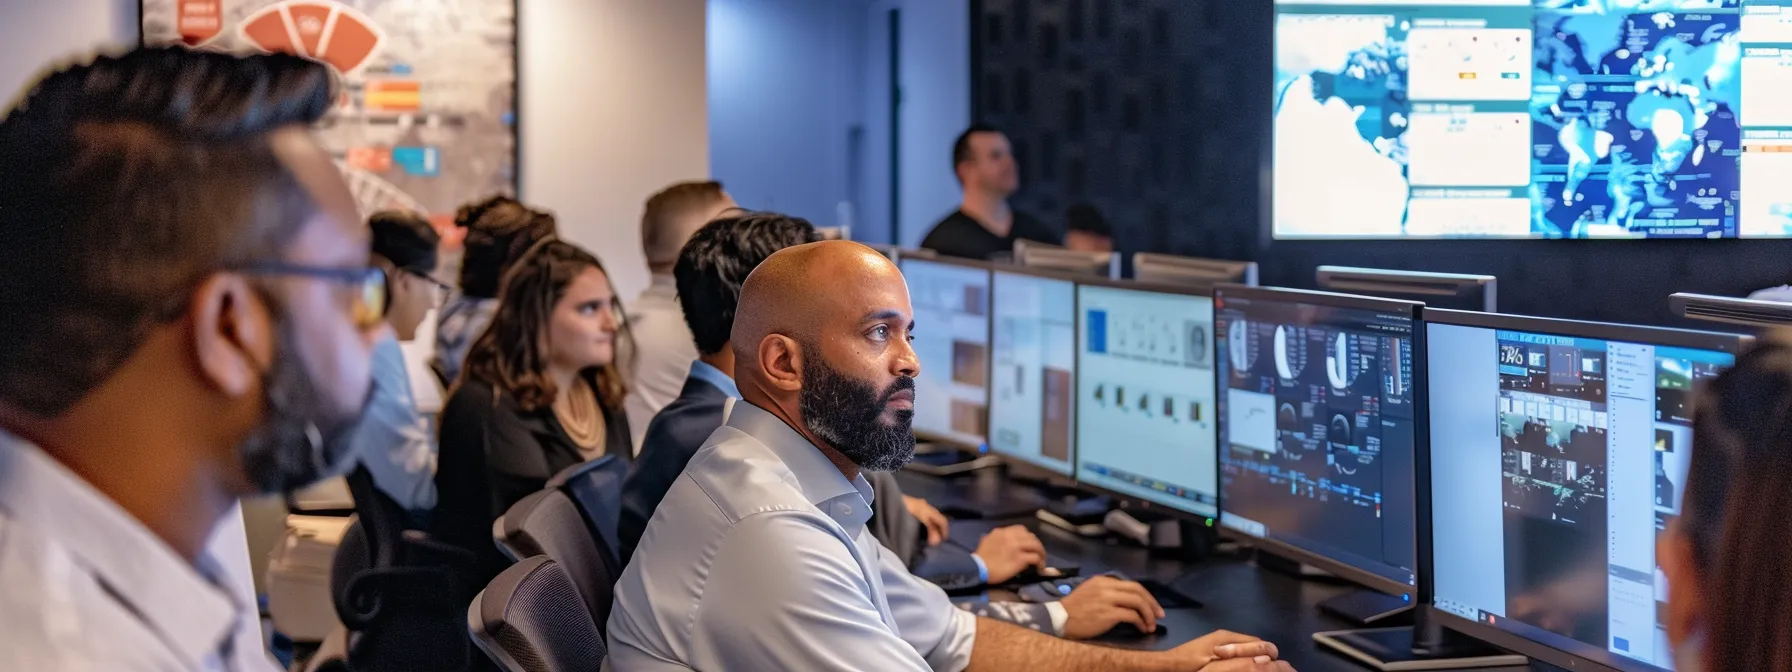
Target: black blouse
[493, 454]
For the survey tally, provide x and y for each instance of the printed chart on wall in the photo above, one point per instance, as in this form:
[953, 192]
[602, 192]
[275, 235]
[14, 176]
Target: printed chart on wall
[1533, 118]
[426, 120]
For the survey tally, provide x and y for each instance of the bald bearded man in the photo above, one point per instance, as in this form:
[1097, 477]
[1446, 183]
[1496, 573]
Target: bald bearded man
[759, 558]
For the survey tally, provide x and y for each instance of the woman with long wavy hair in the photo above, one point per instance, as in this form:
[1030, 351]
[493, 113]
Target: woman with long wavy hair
[541, 391]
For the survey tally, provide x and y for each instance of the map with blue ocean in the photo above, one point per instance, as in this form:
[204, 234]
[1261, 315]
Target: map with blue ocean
[1533, 118]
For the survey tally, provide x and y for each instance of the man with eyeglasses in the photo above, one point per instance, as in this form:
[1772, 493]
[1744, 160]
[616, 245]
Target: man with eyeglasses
[189, 312]
[396, 443]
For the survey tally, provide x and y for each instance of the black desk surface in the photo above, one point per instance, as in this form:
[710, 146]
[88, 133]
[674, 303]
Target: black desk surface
[1237, 595]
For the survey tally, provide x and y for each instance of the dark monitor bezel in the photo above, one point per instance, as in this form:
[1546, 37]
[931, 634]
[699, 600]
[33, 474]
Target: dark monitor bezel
[1679, 338]
[1150, 505]
[1395, 283]
[1015, 463]
[1416, 312]
[988, 325]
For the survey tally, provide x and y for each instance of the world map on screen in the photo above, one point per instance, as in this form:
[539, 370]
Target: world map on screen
[1533, 118]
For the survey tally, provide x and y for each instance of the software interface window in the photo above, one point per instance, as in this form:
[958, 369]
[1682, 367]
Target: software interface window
[1586, 118]
[1317, 438]
[1034, 350]
[951, 306]
[1144, 406]
[1573, 448]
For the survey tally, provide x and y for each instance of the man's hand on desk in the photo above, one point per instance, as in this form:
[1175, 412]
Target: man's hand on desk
[935, 522]
[1103, 602]
[1008, 551]
[1224, 651]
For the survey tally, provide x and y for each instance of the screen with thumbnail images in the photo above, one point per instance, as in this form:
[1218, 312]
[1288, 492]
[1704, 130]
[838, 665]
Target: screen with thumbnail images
[951, 304]
[1317, 429]
[1144, 404]
[1532, 118]
[1033, 348]
[1556, 461]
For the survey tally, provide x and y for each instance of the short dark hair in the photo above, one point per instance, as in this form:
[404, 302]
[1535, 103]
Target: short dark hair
[499, 230]
[406, 239]
[1086, 218]
[124, 182]
[961, 148]
[716, 261]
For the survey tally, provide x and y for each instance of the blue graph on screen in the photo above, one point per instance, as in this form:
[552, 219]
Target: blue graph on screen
[1533, 118]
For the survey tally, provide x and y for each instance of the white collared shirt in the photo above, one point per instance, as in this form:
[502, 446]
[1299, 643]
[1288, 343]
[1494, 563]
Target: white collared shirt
[759, 559]
[86, 587]
[664, 350]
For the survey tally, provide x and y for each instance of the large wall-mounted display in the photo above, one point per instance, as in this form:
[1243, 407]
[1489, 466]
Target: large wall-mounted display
[1532, 118]
[427, 117]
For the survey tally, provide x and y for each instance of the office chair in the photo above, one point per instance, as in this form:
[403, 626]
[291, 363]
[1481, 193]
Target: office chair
[596, 487]
[548, 523]
[529, 620]
[397, 591]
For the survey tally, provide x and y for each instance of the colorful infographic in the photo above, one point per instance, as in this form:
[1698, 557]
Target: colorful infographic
[426, 119]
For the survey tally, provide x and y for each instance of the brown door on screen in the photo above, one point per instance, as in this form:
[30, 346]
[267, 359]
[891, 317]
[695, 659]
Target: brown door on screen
[1054, 437]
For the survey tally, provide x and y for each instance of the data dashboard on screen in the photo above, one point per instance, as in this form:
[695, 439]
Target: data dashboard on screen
[1144, 405]
[1532, 118]
[1317, 430]
[1033, 351]
[951, 304]
[1556, 463]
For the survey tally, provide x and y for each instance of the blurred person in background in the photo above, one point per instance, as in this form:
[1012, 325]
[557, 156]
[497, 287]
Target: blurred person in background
[1087, 230]
[394, 440]
[1726, 557]
[984, 224]
[190, 314]
[657, 322]
[499, 229]
[542, 391]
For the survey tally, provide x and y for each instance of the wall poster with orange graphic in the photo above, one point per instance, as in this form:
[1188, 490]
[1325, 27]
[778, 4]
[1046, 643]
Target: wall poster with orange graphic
[426, 119]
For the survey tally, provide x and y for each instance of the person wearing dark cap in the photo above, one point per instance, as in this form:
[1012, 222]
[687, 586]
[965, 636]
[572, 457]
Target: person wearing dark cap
[984, 223]
[1088, 230]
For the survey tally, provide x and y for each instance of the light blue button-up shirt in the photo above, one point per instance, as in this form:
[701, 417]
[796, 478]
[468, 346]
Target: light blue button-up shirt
[759, 559]
[86, 587]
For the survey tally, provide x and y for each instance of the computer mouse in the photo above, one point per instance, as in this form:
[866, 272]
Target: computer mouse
[1130, 631]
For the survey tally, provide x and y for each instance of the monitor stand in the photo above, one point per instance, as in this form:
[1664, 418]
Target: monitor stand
[1369, 607]
[1422, 646]
[944, 459]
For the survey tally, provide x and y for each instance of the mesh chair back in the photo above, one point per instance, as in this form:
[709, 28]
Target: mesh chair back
[596, 487]
[548, 523]
[528, 620]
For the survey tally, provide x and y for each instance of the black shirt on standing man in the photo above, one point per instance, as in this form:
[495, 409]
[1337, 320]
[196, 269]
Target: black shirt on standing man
[959, 235]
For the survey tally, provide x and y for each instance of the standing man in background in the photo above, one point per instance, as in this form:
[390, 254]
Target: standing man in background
[664, 345]
[190, 315]
[984, 224]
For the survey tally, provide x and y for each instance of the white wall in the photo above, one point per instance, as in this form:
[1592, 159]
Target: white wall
[35, 34]
[613, 108]
[785, 84]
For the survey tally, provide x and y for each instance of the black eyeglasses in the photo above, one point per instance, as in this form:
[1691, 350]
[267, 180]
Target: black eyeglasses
[372, 296]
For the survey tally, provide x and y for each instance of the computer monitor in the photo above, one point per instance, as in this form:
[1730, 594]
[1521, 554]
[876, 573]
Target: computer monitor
[1054, 258]
[1557, 452]
[1144, 403]
[1729, 310]
[1317, 422]
[1437, 290]
[951, 303]
[1033, 370]
[1168, 269]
